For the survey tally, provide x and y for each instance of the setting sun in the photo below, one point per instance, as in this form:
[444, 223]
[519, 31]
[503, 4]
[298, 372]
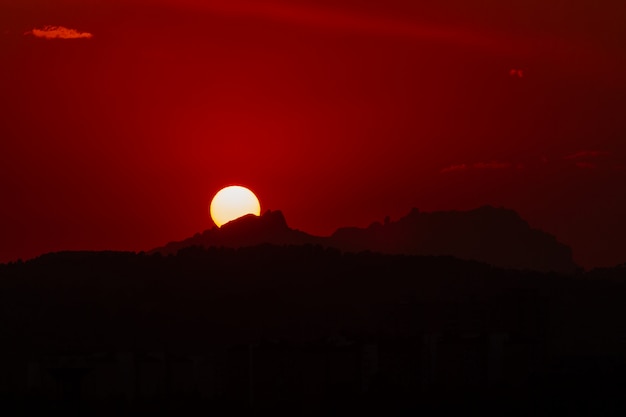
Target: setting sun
[233, 202]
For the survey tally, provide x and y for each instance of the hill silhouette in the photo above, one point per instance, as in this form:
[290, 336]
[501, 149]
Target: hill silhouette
[256, 318]
[245, 231]
[304, 330]
[497, 236]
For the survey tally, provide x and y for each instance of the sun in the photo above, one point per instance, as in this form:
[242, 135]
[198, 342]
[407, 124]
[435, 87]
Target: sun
[233, 202]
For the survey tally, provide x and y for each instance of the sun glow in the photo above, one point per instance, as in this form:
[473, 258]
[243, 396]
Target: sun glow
[233, 202]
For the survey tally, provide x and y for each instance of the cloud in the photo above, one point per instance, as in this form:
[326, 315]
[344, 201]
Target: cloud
[58, 32]
[342, 19]
[451, 168]
[586, 154]
[481, 165]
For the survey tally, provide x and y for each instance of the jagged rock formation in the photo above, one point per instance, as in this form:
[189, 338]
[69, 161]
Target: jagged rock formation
[496, 236]
[248, 230]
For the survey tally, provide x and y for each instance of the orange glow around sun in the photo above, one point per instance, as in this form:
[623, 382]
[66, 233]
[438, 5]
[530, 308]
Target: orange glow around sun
[233, 202]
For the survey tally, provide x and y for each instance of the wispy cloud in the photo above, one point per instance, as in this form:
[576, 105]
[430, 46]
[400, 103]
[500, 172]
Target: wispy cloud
[588, 159]
[58, 32]
[481, 165]
[452, 168]
[343, 19]
[586, 154]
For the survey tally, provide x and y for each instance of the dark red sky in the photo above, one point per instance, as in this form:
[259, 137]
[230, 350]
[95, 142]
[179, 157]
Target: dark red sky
[335, 112]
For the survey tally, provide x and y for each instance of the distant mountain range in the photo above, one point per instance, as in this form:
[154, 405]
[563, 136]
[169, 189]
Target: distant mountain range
[496, 236]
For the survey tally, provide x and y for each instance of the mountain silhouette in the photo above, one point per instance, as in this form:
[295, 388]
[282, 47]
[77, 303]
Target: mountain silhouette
[249, 230]
[496, 236]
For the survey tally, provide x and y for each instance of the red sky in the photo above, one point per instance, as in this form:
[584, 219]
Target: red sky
[120, 119]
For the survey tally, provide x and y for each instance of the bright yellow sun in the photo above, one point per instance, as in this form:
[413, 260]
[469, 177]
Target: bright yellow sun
[232, 202]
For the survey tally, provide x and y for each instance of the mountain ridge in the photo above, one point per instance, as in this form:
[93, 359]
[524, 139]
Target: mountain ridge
[496, 236]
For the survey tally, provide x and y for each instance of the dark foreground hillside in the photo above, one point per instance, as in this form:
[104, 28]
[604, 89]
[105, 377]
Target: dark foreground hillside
[304, 330]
